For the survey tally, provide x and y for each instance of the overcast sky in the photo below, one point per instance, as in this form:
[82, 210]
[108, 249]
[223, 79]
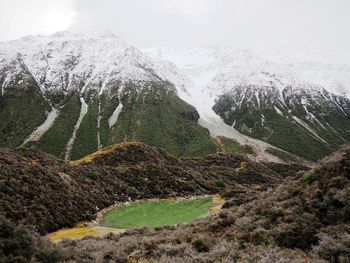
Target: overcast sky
[316, 25]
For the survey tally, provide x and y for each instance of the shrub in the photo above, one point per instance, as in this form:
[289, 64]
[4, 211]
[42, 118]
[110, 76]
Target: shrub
[220, 183]
[16, 245]
[93, 176]
[49, 256]
[309, 177]
[201, 245]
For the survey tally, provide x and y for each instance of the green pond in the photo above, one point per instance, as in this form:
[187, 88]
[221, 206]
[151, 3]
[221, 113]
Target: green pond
[157, 213]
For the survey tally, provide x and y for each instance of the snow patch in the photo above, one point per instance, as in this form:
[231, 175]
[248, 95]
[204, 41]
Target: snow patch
[43, 128]
[99, 117]
[234, 123]
[257, 97]
[310, 115]
[262, 119]
[113, 119]
[83, 111]
[337, 104]
[302, 123]
[278, 111]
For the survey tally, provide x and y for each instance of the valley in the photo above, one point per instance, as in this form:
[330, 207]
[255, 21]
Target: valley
[113, 153]
[92, 90]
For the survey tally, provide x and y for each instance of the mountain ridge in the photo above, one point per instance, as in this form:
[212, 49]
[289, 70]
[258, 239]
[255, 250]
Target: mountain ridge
[249, 93]
[99, 90]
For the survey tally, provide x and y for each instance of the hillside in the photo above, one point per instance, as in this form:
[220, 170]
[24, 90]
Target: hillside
[273, 213]
[66, 193]
[304, 219]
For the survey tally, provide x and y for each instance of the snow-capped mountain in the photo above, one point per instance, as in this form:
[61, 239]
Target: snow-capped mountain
[70, 94]
[267, 99]
[62, 61]
[89, 90]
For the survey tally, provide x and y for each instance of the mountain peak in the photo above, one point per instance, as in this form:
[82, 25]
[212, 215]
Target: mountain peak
[59, 62]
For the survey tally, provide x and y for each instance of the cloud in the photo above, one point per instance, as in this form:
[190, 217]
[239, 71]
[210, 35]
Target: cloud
[58, 17]
[296, 25]
[23, 17]
[195, 10]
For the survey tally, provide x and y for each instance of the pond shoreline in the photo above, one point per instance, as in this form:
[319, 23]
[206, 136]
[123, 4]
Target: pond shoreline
[95, 227]
[99, 215]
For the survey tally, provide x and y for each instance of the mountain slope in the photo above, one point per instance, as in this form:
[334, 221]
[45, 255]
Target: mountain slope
[309, 123]
[70, 94]
[22, 106]
[94, 90]
[303, 108]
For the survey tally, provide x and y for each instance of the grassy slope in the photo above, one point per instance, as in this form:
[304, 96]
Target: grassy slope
[54, 141]
[109, 102]
[154, 115]
[158, 117]
[86, 140]
[294, 139]
[22, 109]
[232, 146]
[277, 130]
[157, 213]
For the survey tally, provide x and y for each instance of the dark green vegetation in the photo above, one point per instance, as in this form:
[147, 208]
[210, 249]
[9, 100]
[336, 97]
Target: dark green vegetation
[285, 156]
[157, 213]
[54, 141]
[157, 116]
[327, 115]
[86, 140]
[22, 109]
[294, 222]
[152, 114]
[309, 177]
[17, 245]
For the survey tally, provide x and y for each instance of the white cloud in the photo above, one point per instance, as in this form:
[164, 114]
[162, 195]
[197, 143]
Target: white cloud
[58, 17]
[195, 10]
[297, 25]
[25, 17]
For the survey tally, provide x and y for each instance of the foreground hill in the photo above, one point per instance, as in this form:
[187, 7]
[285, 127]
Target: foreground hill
[41, 192]
[305, 219]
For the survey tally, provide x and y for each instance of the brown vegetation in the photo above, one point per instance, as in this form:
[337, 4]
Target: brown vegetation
[270, 216]
[301, 220]
[42, 192]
